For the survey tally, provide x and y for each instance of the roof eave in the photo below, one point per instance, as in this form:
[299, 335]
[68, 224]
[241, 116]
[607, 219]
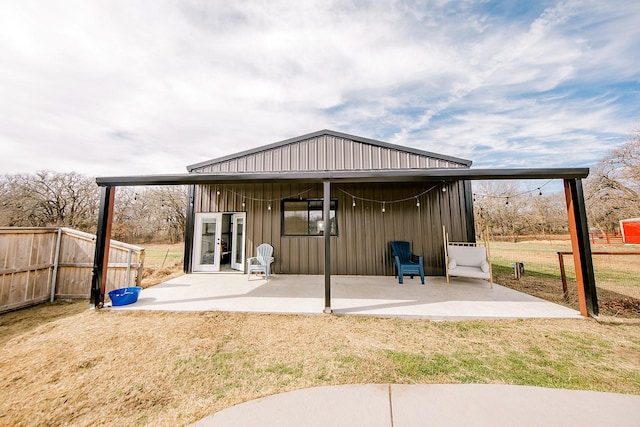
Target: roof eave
[409, 175]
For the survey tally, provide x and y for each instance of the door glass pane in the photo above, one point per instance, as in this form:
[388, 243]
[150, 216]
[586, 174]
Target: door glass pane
[237, 256]
[208, 239]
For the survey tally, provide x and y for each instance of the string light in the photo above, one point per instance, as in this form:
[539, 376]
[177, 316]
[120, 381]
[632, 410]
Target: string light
[406, 199]
[256, 199]
[217, 190]
[538, 189]
[353, 203]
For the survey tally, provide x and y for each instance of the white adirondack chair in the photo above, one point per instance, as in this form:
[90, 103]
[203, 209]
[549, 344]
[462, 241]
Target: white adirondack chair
[262, 262]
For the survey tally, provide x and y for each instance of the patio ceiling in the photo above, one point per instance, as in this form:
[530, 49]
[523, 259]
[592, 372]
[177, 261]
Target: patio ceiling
[405, 175]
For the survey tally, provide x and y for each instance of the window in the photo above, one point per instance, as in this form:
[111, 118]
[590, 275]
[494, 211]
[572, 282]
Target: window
[304, 218]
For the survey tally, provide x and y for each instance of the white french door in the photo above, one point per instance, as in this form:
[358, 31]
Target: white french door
[238, 227]
[207, 243]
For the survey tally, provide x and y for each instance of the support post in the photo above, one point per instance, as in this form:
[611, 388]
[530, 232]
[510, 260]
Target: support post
[579, 230]
[469, 216]
[326, 208]
[563, 276]
[189, 230]
[103, 240]
[127, 278]
[56, 261]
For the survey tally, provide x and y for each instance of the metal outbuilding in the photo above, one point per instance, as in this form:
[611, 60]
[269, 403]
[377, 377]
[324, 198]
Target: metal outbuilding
[371, 191]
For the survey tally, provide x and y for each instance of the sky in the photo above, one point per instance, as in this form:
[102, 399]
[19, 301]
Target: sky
[130, 87]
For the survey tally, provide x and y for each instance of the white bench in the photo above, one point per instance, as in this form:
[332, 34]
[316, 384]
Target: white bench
[466, 260]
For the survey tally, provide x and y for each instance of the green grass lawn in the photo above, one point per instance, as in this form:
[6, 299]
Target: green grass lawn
[163, 255]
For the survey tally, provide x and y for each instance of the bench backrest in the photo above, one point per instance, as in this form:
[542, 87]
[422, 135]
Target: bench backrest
[468, 256]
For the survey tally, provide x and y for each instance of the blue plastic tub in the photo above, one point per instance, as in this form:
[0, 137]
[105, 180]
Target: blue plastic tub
[124, 296]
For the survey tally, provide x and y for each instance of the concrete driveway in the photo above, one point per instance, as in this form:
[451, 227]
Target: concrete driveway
[393, 405]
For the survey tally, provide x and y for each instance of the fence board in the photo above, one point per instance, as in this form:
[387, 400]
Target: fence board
[27, 265]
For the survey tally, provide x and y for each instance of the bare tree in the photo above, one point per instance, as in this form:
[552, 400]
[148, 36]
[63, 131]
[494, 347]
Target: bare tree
[499, 210]
[48, 198]
[170, 204]
[507, 209]
[150, 214]
[612, 189]
[547, 214]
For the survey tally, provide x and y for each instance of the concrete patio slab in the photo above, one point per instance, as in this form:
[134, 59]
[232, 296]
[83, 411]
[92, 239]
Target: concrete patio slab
[351, 295]
[450, 405]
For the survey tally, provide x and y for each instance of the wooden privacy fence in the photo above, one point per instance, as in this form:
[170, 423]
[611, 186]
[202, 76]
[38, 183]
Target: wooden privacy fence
[40, 264]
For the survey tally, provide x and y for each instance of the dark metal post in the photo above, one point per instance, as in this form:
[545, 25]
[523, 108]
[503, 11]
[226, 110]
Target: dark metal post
[469, 217]
[103, 240]
[585, 278]
[189, 230]
[563, 276]
[326, 208]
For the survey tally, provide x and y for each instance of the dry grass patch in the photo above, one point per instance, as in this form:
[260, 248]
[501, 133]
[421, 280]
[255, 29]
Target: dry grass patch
[162, 262]
[151, 368]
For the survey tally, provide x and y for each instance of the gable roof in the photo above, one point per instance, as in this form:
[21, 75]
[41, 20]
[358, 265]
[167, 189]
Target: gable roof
[328, 150]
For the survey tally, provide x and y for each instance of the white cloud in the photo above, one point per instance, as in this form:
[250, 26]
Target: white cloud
[109, 88]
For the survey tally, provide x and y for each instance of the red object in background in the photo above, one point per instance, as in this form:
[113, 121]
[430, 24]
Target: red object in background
[630, 229]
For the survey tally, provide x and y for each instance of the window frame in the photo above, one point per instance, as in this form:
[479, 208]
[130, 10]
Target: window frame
[311, 207]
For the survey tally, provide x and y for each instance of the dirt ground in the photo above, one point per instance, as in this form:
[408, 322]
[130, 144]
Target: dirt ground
[618, 298]
[610, 303]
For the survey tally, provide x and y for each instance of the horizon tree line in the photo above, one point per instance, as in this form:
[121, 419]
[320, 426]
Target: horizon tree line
[158, 214]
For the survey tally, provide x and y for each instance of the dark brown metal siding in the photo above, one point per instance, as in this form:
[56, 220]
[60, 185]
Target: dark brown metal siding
[362, 246]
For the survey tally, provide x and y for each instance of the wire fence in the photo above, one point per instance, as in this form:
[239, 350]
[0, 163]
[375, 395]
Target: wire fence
[534, 266]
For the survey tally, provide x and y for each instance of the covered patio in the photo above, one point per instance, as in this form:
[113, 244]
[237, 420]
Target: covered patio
[336, 296]
[462, 299]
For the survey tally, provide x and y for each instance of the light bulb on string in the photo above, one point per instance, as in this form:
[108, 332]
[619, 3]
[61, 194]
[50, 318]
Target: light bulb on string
[354, 202]
[417, 202]
[383, 207]
[269, 207]
[243, 203]
[218, 190]
[507, 201]
[539, 192]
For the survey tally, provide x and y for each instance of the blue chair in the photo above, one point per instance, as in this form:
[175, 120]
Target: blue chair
[406, 263]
